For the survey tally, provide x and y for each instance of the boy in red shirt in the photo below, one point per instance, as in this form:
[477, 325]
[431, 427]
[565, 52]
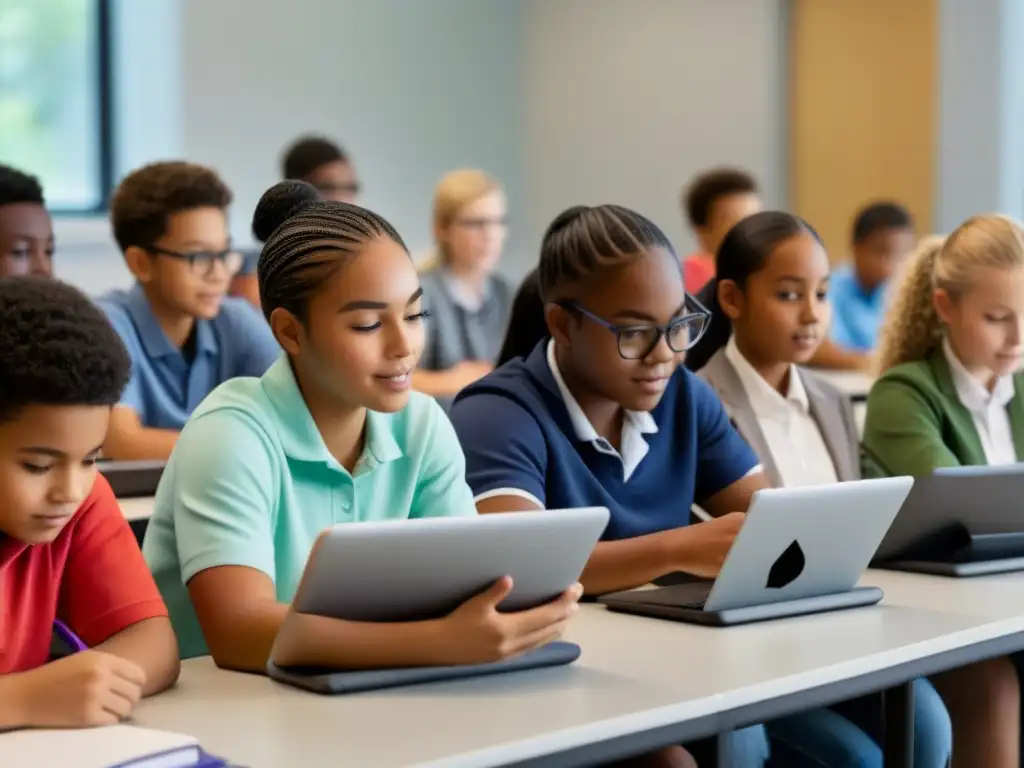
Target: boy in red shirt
[713, 202]
[66, 551]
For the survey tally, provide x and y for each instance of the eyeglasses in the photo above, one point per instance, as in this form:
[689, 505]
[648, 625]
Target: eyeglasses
[202, 262]
[636, 342]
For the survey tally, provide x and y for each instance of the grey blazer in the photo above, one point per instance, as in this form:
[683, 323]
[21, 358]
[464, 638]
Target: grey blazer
[830, 408]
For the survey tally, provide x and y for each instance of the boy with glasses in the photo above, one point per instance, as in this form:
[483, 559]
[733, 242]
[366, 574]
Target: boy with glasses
[184, 334]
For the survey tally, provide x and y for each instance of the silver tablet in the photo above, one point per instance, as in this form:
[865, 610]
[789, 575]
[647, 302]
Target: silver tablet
[414, 570]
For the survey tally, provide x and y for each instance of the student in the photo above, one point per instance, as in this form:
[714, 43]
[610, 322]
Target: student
[317, 161]
[883, 234]
[26, 232]
[949, 395]
[712, 203]
[184, 335]
[601, 414]
[770, 312]
[66, 551]
[469, 303]
[330, 434]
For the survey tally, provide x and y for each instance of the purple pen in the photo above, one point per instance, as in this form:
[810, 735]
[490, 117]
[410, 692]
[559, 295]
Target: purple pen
[69, 638]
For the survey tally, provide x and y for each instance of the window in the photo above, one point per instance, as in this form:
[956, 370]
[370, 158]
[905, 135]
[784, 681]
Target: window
[54, 104]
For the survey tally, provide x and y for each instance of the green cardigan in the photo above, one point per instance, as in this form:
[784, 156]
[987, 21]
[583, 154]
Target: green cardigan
[915, 422]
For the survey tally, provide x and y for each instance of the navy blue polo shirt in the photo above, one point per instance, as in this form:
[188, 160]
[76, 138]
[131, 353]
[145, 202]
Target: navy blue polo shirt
[165, 387]
[521, 437]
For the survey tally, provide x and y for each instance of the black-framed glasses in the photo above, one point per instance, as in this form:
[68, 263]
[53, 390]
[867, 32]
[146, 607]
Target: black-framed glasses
[202, 262]
[636, 342]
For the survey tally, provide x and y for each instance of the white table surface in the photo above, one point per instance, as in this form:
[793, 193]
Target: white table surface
[995, 597]
[854, 383]
[136, 509]
[635, 674]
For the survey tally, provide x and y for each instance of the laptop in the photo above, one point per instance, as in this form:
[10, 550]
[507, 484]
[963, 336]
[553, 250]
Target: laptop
[800, 551]
[132, 479]
[959, 521]
[417, 570]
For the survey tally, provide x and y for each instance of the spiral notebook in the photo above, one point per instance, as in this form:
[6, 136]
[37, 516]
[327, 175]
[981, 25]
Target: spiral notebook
[116, 746]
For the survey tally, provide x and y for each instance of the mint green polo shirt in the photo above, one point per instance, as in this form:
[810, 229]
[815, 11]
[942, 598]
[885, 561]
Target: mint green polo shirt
[251, 483]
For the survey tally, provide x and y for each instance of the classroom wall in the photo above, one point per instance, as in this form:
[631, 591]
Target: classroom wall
[410, 89]
[863, 79]
[626, 101]
[567, 102]
[980, 152]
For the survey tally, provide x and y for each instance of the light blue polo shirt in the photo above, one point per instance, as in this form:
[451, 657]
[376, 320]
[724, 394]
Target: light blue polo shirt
[856, 314]
[164, 388]
[251, 483]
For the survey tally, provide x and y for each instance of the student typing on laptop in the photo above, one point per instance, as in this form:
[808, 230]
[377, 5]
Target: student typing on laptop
[67, 554]
[602, 413]
[770, 311]
[330, 434]
[949, 395]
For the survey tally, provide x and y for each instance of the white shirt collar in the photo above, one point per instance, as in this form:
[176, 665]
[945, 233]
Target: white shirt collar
[972, 393]
[635, 423]
[765, 400]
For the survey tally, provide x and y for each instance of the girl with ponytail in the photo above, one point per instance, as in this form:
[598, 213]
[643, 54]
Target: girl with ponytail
[770, 312]
[950, 395]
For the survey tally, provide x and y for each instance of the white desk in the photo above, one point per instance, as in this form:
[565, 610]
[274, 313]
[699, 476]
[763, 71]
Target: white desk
[640, 684]
[136, 509]
[996, 597]
[856, 384]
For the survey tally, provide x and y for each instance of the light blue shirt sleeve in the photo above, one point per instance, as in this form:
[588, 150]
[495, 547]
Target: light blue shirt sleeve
[441, 488]
[225, 504]
[257, 347]
[841, 331]
[132, 395]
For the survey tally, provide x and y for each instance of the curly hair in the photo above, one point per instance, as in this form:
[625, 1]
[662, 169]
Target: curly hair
[18, 187]
[913, 327]
[56, 348]
[147, 197]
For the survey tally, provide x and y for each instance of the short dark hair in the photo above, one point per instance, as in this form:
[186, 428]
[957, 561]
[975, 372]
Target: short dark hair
[304, 239]
[307, 154]
[147, 197]
[744, 251]
[19, 187]
[704, 191]
[56, 348]
[881, 215]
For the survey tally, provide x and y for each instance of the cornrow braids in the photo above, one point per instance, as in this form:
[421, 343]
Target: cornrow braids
[582, 244]
[304, 238]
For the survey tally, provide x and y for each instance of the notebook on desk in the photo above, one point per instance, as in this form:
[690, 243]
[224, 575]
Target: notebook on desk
[116, 746]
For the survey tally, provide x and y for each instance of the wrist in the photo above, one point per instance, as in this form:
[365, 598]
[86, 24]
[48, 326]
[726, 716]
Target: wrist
[681, 549]
[13, 702]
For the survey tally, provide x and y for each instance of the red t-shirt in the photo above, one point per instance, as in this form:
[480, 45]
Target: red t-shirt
[92, 577]
[698, 269]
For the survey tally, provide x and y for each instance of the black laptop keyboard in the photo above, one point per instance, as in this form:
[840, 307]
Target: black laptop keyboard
[692, 596]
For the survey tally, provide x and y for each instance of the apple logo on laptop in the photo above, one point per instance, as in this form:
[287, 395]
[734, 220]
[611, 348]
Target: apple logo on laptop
[787, 568]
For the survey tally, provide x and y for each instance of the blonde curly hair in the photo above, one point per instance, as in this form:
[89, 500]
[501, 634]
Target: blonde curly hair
[913, 328]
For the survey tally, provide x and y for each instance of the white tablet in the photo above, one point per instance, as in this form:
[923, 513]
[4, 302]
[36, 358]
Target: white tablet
[415, 570]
